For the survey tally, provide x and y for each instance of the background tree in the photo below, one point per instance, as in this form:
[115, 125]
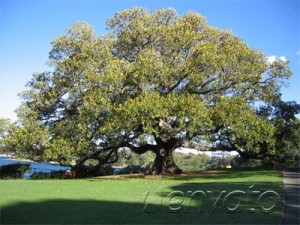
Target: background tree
[287, 133]
[155, 82]
[191, 162]
[284, 150]
[27, 137]
[4, 128]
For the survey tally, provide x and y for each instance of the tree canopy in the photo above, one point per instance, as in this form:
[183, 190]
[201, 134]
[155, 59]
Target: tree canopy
[155, 82]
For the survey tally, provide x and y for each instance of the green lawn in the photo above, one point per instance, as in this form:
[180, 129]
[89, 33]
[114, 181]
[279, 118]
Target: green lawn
[180, 200]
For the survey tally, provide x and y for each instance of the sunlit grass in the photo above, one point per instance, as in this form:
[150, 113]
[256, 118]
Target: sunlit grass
[144, 200]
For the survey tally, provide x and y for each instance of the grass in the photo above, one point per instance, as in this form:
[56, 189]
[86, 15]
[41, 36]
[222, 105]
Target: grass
[195, 199]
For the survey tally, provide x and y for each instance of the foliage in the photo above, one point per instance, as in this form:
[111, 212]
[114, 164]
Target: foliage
[155, 82]
[5, 126]
[288, 145]
[83, 171]
[217, 162]
[282, 115]
[14, 171]
[287, 133]
[133, 163]
[26, 138]
[240, 162]
[50, 175]
[128, 158]
[133, 169]
[191, 162]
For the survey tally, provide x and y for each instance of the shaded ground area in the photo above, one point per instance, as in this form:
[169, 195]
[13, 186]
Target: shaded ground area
[291, 179]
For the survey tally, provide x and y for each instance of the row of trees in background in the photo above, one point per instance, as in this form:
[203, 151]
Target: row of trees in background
[187, 162]
[154, 83]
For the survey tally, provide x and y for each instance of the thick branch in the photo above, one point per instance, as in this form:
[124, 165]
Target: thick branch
[142, 149]
[189, 144]
[177, 84]
[168, 130]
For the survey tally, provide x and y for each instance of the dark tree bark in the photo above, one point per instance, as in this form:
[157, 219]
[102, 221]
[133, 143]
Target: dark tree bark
[164, 162]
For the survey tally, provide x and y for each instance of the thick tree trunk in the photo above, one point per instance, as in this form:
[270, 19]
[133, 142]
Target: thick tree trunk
[164, 163]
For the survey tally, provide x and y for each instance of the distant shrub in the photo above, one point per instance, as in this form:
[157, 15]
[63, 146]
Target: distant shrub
[104, 170]
[50, 175]
[133, 169]
[191, 162]
[240, 162]
[14, 171]
[83, 171]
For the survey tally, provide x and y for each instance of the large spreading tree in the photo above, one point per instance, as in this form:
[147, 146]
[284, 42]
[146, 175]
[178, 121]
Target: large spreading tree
[155, 82]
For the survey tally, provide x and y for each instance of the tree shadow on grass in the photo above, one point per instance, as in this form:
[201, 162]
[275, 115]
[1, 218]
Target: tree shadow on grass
[228, 203]
[96, 212]
[71, 212]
